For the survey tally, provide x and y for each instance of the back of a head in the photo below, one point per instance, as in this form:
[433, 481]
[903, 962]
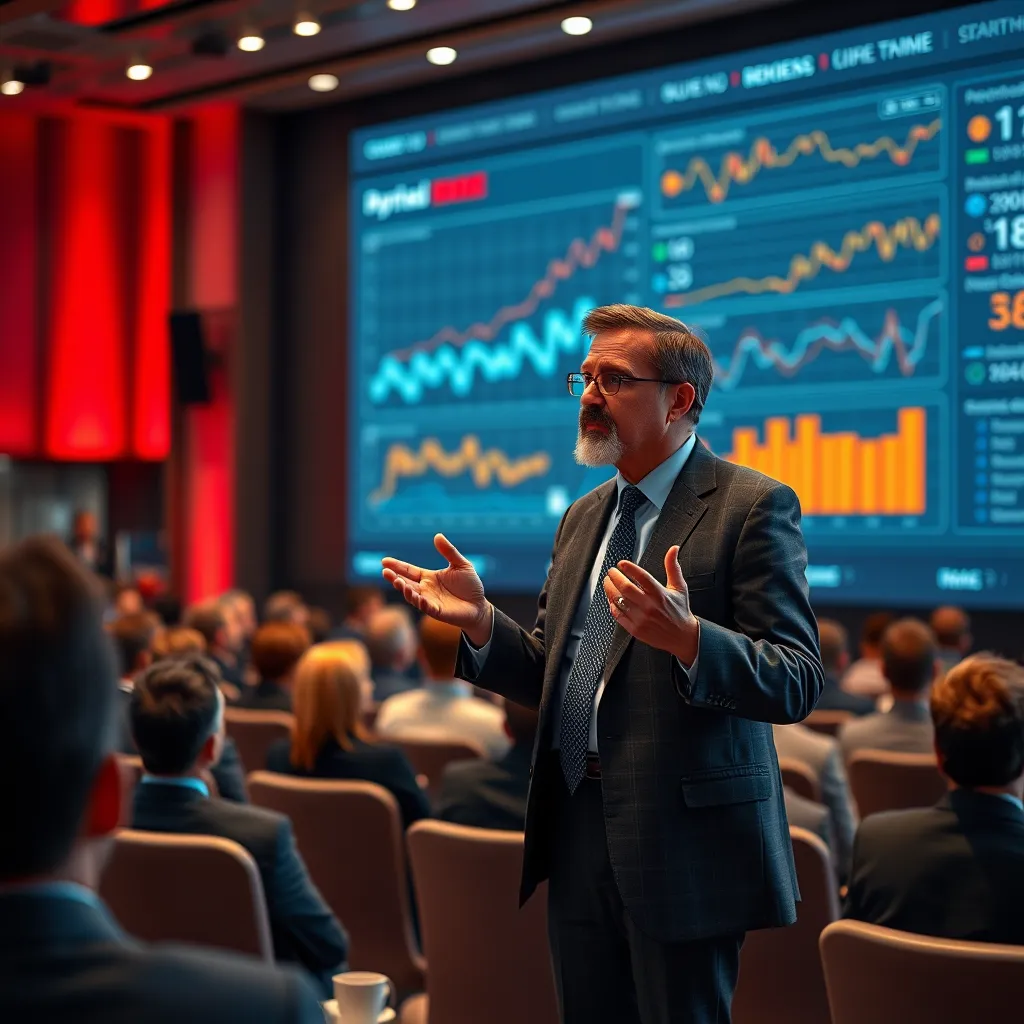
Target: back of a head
[874, 628]
[133, 637]
[951, 626]
[177, 641]
[175, 707]
[362, 602]
[522, 724]
[832, 640]
[978, 712]
[285, 606]
[439, 646]
[277, 648]
[391, 637]
[908, 656]
[209, 619]
[58, 688]
[319, 624]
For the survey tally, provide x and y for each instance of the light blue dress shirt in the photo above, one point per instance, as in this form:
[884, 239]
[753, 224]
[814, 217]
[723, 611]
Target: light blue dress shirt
[183, 782]
[656, 487]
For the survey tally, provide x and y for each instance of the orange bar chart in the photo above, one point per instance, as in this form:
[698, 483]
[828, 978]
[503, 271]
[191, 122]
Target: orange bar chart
[842, 473]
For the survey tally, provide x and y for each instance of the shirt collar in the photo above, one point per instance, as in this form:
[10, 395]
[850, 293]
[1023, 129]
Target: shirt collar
[657, 485]
[452, 688]
[1015, 800]
[55, 890]
[183, 782]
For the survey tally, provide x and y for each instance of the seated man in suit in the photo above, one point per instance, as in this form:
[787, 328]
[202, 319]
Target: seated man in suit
[62, 956]
[277, 648]
[177, 716]
[813, 817]
[492, 794]
[224, 639]
[135, 638]
[952, 629]
[956, 870]
[909, 665]
[835, 659]
[390, 639]
[865, 676]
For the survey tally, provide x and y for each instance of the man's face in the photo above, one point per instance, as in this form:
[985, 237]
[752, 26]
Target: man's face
[85, 529]
[233, 632]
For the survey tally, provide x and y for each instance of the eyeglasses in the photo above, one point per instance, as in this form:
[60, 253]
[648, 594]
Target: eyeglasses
[607, 383]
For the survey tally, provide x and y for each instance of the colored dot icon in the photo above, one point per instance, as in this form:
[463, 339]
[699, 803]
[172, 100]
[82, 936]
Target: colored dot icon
[975, 205]
[671, 184]
[976, 242]
[979, 128]
[975, 373]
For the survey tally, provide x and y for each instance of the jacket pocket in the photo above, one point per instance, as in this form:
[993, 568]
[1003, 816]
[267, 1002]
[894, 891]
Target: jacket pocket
[736, 784]
[702, 581]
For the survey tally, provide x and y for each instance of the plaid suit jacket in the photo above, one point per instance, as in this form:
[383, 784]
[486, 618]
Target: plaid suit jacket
[694, 814]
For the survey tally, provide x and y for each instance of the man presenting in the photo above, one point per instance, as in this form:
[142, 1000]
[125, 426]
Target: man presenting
[674, 625]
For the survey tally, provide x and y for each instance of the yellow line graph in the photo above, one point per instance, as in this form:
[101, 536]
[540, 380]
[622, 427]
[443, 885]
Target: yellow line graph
[764, 156]
[484, 466]
[906, 233]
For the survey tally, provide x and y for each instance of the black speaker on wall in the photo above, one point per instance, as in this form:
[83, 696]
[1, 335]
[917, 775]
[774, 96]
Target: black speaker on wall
[188, 356]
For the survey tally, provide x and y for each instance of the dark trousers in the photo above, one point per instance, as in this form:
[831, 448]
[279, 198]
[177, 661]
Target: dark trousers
[606, 969]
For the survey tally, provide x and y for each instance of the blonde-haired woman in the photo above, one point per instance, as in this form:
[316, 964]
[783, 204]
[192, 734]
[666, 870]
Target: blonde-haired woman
[332, 684]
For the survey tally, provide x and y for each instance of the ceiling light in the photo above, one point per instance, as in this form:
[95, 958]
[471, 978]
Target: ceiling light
[306, 25]
[11, 86]
[323, 83]
[401, 5]
[577, 26]
[441, 55]
[251, 42]
[139, 72]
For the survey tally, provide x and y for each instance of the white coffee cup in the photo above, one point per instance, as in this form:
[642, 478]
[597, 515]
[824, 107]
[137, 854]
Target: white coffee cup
[361, 996]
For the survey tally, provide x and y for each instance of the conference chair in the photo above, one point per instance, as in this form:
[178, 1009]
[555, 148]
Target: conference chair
[198, 889]
[882, 780]
[886, 976]
[827, 722]
[130, 766]
[799, 777]
[429, 756]
[350, 836]
[780, 979]
[255, 731]
[489, 961]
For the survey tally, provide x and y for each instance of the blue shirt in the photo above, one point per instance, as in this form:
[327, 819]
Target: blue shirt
[185, 782]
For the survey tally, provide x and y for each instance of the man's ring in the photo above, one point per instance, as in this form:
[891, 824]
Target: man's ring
[621, 602]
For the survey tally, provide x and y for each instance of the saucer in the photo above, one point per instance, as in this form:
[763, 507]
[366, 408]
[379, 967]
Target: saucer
[387, 1016]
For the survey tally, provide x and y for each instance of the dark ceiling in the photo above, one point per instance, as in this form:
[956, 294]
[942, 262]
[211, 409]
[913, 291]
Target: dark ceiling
[78, 52]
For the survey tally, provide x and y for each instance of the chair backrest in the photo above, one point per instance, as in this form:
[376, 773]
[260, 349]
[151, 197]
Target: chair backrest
[882, 780]
[890, 977]
[489, 961]
[350, 836]
[799, 777]
[255, 731]
[429, 757]
[827, 722]
[780, 980]
[130, 766]
[184, 888]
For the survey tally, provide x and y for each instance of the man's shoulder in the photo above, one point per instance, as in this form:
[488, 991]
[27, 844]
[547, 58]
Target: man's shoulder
[901, 827]
[244, 823]
[801, 742]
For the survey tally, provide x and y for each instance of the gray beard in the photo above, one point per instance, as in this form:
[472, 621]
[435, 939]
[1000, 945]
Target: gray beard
[596, 449]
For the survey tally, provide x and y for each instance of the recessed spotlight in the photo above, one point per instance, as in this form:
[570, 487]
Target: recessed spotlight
[251, 42]
[577, 26]
[138, 72]
[401, 5]
[12, 87]
[441, 55]
[323, 83]
[306, 25]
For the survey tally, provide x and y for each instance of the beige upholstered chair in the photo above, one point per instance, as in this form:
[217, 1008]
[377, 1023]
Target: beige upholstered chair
[878, 975]
[827, 722]
[199, 889]
[350, 836]
[429, 757]
[781, 980]
[881, 780]
[489, 961]
[254, 732]
[799, 777]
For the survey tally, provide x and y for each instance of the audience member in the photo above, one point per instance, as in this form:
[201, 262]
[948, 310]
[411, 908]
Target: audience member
[276, 650]
[177, 716]
[835, 659]
[62, 955]
[361, 604]
[956, 870]
[822, 756]
[286, 606]
[331, 687]
[952, 629]
[241, 604]
[319, 625]
[391, 642]
[87, 545]
[127, 600]
[865, 676]
[909, 665]
[134, 635]
[175, 641]
[445, 708]
[813, 817]
[492, 794]
[168, 607]
[224, 639]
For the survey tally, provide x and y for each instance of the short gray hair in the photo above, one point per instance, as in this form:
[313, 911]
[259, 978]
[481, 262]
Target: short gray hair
[678, 353]
[390, 632]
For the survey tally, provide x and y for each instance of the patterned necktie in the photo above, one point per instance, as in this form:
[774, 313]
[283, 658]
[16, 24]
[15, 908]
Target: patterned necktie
[597, 638]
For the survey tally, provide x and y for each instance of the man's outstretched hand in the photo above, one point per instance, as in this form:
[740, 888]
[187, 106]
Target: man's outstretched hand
[453, 594]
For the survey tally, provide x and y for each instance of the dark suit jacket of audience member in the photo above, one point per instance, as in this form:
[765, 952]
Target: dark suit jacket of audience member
[232, 674]
[487, 794]
[955, 870]
[227, 773]
[64, 960]
[369, 762]
[304, 929]
[835, 698]
[267, 696]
